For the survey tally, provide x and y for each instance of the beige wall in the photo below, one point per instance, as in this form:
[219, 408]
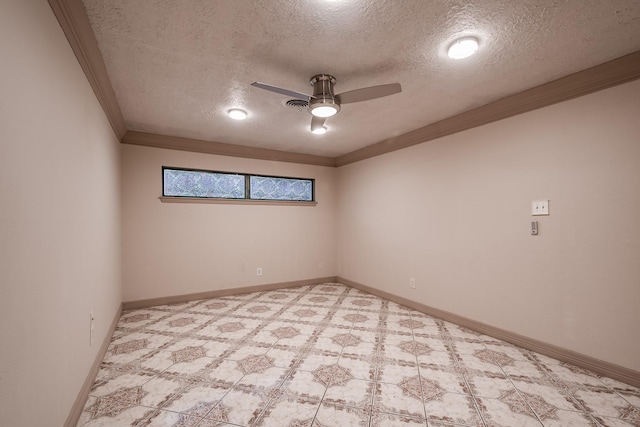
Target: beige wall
[455, 213]
[59, 219]
[174, 249]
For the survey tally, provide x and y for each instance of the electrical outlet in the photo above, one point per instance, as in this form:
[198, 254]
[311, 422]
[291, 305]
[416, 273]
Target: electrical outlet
[91, 328]
[412, 283]
[259, 271]
[540, 207]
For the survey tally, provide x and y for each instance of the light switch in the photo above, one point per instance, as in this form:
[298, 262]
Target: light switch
[540, 207]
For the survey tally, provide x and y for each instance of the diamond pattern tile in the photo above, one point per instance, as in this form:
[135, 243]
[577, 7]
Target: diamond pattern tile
[330, 355]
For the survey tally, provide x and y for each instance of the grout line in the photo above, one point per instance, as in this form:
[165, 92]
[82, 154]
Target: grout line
[446, 334]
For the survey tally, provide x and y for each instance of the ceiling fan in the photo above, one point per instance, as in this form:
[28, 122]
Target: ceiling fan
[323, 103]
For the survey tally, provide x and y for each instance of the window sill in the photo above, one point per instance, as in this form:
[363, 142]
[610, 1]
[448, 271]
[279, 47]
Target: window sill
[203, 200]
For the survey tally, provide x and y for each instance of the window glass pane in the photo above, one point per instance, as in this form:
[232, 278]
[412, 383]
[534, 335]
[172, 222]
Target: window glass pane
[269, 188]
[184, 183]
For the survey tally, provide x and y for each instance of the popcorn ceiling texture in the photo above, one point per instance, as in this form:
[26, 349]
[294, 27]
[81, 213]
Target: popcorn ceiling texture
[178, 66]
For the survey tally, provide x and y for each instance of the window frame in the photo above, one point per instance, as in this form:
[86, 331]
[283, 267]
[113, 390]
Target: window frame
[247, 190]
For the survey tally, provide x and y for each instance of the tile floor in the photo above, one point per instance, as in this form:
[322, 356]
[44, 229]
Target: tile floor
[328, 355]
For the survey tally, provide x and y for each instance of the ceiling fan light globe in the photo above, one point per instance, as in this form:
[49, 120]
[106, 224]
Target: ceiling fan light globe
[323, 110]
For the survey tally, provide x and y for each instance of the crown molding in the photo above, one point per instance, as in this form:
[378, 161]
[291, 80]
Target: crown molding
[612, 73]
[220, 148]
[74, 22]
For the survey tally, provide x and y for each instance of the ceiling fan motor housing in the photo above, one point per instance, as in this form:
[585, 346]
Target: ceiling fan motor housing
[323, 102]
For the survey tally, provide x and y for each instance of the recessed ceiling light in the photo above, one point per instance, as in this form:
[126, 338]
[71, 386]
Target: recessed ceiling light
[319, 131]
[237, 114]
[463, 48]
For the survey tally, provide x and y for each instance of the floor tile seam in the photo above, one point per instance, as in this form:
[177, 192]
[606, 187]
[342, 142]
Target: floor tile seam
[136, 328]
[476, 404]
[637, 407]
[319, 405]
[524, 399]
[591, 412]
[420, 376]
[343, 405]
[219, 401]
[91, 394]
[462, 370]
[158, 409]
[564, 390]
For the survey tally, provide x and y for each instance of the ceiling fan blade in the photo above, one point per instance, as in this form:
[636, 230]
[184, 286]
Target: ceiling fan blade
[281, 91]
[317, 122]
[367, 93]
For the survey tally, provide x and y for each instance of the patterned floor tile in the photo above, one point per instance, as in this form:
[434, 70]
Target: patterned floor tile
[620, 386]
[223, 371]
[285, 357]
[167, 418]
[449, 380]
[562, 418]
[315, 360]
[358, 367]
[452, 408]
[218, 348]
[460, 332]
[606, 403]
[433, 343]
[329, 355]
[287, 411]
[632, 398]
[197, 399]
[239, 407]
[393, 373]
[437, 359]
[329, 415]
[545, 396]
[478, 362]
[303, 384]
[366, 335]
[186, 361]
[510, 410]
[131, 416]
[398, 399]
[401, 352]
[123, 381]
[354, 392]
[160, 390]
[616, 422]
[526, 369]
[264, 379]
[491, 386]
[381, 419]
[248, 351]
[574, 375]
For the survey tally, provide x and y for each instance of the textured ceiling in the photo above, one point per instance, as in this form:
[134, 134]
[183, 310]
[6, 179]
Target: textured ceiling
[178, 66]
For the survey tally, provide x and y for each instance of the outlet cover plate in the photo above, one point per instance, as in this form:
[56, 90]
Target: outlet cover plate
[540, 207]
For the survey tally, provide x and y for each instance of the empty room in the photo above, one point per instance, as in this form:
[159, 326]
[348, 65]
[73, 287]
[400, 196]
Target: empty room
[253, 213]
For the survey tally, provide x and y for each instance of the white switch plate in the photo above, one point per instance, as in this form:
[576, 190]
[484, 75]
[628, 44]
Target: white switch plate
[540, 207]
[259, 271]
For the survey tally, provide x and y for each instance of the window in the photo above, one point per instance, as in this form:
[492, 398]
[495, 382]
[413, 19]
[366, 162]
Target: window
[275, 188]
[203, 184]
